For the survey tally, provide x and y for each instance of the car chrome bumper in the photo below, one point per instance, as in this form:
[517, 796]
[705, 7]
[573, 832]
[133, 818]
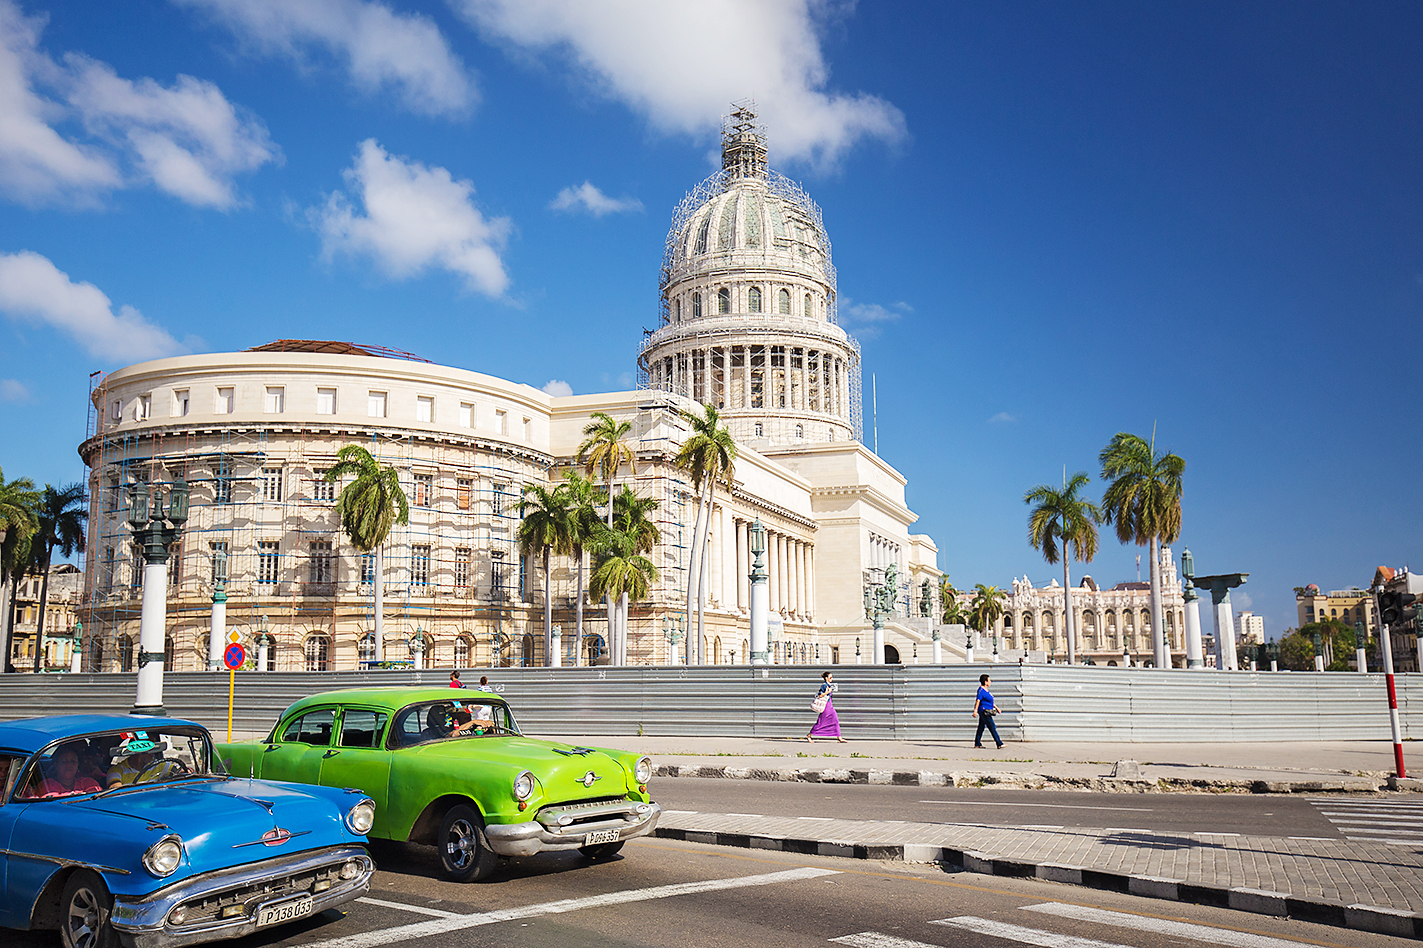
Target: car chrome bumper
[145, 922]
[545, 835]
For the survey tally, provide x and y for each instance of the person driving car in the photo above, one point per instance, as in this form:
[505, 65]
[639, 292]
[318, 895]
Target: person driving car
[437, 722]
[137, 754]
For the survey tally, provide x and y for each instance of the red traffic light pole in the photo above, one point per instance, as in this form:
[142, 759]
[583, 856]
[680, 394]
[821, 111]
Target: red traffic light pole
[1386, 605]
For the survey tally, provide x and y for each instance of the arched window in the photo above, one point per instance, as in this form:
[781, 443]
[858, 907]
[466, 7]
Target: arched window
[723, 300]
[271, 654]
[809, 307]
[800, 431]
[318, 653]
[702, 235]
[367, 647]
[528, 657]
[753, 300]
[96, 656]
[462, 649]
[677, 311]
[126, 653]
[696, 306]
[168, 653]
[784, 298]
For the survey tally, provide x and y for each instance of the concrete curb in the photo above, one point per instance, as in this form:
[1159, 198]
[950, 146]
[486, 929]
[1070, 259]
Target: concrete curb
[1369, 918]
[930, 778]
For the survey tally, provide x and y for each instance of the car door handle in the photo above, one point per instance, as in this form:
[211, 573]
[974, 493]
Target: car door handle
[270, 748]
[330, 753]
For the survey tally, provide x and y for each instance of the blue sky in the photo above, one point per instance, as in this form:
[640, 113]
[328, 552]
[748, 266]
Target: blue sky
[1051, 222]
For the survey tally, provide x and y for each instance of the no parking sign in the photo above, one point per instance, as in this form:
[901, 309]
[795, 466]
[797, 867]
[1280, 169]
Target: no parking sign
[234, 656]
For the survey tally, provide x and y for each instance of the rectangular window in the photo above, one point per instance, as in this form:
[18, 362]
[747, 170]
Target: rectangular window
[424, 489]
[501, 422]
[107, 580]
[462, 560]
[368, 569]
[466, 415]
[272, 485]
[268, 561]
[527, 429]
[216, 569]
[322, 490]
[180, 402]
[222, 482]
[420, 565]
[524, 578]
[496, 581]
[375, 404]
[175, 564]
[326, 401]
[276, 401]
[464, 487]
[143, 408]
[498, 500]
[223, 405]
[116, 410]
[321, 567]
[425, 408]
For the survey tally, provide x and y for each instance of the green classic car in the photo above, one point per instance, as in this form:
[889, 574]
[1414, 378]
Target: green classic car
[449, 768]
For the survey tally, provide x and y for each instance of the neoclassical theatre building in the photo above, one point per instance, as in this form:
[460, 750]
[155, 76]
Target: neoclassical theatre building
[747, 323]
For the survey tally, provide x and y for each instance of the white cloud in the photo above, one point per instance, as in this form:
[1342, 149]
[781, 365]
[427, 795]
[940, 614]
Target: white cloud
[13, 390]
[379, 47]
[413, 218]
[1002, 418]
[34, 290]
[1242, 600]
[557, 388]
[637, 52]
[867, 314]
[187, 139]
[587, 197]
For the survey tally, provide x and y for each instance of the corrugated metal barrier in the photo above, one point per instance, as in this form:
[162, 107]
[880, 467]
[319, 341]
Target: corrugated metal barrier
[915, 702]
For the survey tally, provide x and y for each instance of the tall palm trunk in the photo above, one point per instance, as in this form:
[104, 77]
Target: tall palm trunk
[1068, 625]
[694, 571]
[5, 600]
[548, 612]
[578, 653]
[623, 629]
[607, 599]
[9, 618]
[702, 574]
[379, 580]
[44, 604]
[1160, 652]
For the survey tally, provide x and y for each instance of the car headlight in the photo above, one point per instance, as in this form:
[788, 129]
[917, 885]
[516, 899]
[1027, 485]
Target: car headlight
[523, 786]
[643, 769]
[361, 817]
[163, 857]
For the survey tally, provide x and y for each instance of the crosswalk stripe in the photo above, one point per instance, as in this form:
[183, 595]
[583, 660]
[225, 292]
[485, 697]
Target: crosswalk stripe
[1363, 822]
[878, 940]
[407, 907]
[1026, 936]
[1161, 926]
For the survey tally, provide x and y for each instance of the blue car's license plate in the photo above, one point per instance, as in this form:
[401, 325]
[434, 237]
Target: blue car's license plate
[602, 836]
[284, 911]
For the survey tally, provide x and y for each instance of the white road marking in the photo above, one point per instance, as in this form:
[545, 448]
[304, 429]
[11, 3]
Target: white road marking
[1361, 821]
[821, 818]
[1161, 926]
[877, 940]
[1039, 826]
[1217, 834]
[1026, 936]
[1044, 806]
[1321, 839]
[679, 812]
[454, 923]
[407, 907]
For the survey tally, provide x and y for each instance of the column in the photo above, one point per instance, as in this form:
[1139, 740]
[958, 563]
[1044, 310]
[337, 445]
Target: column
[713, 554]
[800, 579]
[781, 589]
[809, 581]
[773, 575]
[743, 565]
[728, 559]
[746, 377]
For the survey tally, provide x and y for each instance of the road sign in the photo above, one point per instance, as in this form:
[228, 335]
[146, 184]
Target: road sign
[234, 656]
[234, 636]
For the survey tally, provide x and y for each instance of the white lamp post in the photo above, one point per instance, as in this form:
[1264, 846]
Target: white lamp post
[217, 641]
[264, 642]
[154, 529]
[760, 597]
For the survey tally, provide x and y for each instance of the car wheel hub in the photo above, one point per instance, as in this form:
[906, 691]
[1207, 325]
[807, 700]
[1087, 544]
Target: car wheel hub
[460, 844]
[83, 918]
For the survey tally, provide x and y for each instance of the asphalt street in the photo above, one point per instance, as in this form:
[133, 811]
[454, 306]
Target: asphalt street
[1243, 814]
[665, 893]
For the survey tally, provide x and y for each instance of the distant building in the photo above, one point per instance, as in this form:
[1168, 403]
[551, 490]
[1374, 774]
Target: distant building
[1250, 629]
[1349, 606]
[65, 589]
[1403, 636]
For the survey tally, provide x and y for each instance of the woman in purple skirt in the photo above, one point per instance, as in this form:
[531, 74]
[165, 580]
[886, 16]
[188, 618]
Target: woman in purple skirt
[828, 724]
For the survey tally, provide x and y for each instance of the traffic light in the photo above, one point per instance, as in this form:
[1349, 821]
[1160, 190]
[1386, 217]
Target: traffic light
[1396, 607]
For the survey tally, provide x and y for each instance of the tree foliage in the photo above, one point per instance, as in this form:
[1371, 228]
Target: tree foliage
[373, 503]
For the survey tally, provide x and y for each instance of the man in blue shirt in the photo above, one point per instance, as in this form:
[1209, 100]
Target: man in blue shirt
[983, 707]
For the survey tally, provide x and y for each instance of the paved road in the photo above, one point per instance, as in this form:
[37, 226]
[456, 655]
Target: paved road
[1244, 814]
[665, 893]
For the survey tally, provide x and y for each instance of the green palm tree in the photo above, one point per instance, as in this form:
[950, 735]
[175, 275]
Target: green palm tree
[18, 502]
[1063, 524]
[544, 529]
[1143, 502]
[60, 518]
[986, 608]
[369, 507]
[605, 450]
[621, 573]
[708, 456]
[950, 607]
[582, 523]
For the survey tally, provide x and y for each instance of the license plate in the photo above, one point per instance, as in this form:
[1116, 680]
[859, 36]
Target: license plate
[284, 911]
[602, 836]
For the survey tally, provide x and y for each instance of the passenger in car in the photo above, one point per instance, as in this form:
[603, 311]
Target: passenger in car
[64, 778]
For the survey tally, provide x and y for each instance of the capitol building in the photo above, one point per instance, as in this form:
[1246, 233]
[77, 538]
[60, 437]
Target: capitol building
[747, 324]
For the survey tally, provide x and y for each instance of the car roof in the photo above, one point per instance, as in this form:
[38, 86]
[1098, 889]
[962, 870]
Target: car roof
[393, 698]
[31, 734]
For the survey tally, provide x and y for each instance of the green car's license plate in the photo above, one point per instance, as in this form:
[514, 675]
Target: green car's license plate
[284, 911]
[602, 836]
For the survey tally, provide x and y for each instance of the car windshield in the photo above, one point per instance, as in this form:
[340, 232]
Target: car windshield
[114, 759]
[450, 720]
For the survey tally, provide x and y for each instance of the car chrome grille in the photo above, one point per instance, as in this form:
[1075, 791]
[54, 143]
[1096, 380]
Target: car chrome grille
[210, 908]
[585, 815]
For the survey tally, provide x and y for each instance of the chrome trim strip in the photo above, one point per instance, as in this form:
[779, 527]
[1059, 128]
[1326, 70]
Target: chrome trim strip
[65, 863]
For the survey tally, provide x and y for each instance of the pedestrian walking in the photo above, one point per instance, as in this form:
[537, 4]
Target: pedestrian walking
[484, 683]
[984, 707]
[828, 723]
[455, 680]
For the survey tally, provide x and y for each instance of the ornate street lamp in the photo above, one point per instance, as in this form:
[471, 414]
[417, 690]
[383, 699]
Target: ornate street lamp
[760, 597]
[417, 648]
[217, 639]
[673, 635]
[264, 643]
[857, 650]
[155, 525]
[76, 649]
[880, 588]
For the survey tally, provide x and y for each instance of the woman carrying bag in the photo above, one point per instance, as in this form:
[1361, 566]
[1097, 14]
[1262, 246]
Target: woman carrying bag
[828, 724]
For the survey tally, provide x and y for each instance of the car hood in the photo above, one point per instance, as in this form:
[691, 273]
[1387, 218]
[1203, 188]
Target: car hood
[559, 768]
[222, 822]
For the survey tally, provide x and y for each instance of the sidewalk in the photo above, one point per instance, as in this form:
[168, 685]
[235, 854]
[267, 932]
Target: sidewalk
[1359, 766]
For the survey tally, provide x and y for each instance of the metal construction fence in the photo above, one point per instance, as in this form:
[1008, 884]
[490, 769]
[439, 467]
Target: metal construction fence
[908, 703]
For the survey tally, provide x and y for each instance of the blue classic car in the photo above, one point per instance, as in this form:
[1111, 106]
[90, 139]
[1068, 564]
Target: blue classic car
[118, 828]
